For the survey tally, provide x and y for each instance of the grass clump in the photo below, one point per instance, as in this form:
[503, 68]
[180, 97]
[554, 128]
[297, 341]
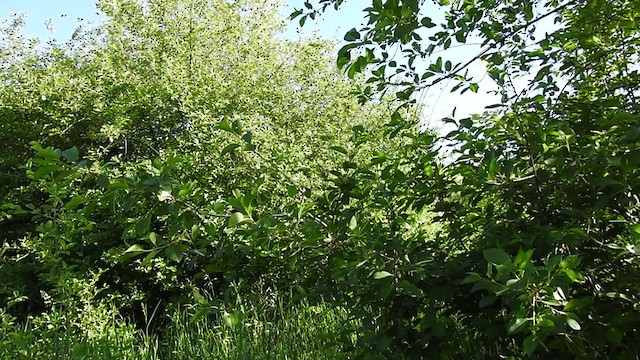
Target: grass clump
[299, 332]
[302, 332]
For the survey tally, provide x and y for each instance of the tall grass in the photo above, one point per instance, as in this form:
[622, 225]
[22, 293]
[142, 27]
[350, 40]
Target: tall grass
[300, 332]
[56, 335]
[304, 332]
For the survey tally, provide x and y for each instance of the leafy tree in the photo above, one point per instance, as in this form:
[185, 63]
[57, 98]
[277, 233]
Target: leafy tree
[189, 129]
[539, 205]
[201, 152]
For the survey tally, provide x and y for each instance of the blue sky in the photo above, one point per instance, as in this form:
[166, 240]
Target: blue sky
[64, 15]
[39, 11]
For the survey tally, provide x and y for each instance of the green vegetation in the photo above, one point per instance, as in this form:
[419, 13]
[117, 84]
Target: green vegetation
[302, 332]
[174, 171]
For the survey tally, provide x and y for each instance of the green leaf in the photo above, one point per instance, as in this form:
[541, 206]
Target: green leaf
[118, 185]
[224, 125]
[553, 261]
[295, 14]
[546, 324]
[43, 171]
[496, 256]
[344, 55]
[544, 71]
[573, 324]
[35, 145]
[71, 154]
[517, 325]
[201, 313]
[573, 275]
[427, 22]
[471, 278]
[143, 224]
[353, 223]
[494, 167]
[102, 181]
[247, 136]
[356, 67]
[219, 206]
[134, 249]
[231, 319]
[229, 149]
[235, 219]
[199, 298]
[150, 256]
[554, 161]
[75, 201]
[523, 259]
[512, 282]
[410, 288]
[352, 35]
[381, 275]
[339, 149]
[153, 237]
[481, 285]
[576, 304]
[174, 252]
[530, 344]
[48, 153]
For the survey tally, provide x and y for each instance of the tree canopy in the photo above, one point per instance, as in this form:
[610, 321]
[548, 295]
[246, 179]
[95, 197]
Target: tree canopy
[182, 151]
[541, 199]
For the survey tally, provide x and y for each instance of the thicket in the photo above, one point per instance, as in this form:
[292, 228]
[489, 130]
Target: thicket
[182, 153]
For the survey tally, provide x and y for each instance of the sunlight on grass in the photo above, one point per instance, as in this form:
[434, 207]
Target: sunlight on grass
[303, 332]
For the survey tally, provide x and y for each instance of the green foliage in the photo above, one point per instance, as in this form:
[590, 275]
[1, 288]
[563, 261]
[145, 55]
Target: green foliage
[94, 332]
[300, 332]
[191, 156]
[539, 203]
[187, 149]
